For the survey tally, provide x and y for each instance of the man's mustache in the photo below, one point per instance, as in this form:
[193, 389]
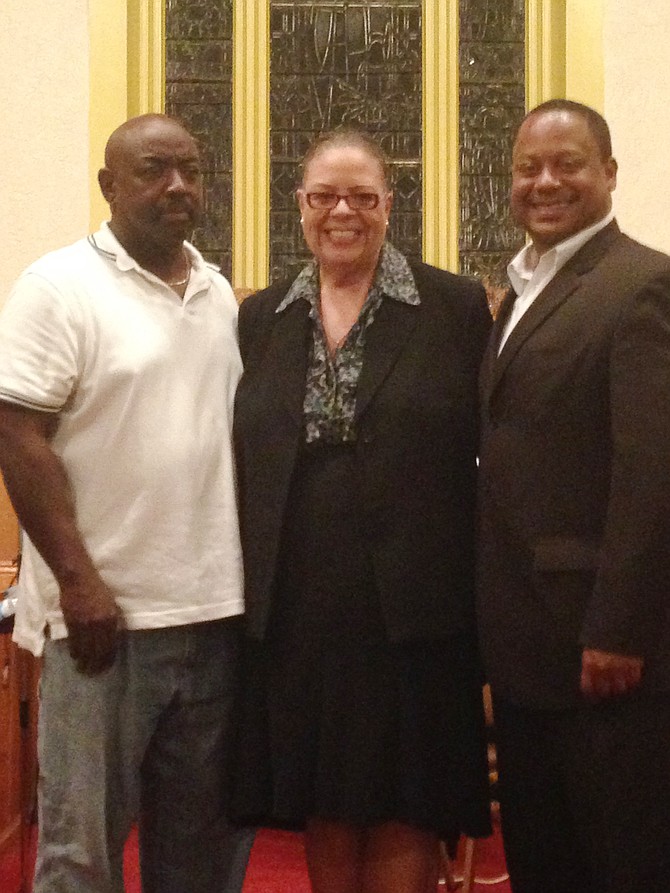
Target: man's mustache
[179, 205]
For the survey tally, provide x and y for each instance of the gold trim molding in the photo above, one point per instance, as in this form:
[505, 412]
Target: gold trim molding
[545, 51]
[564, 51]
[108, 77]
[251, 164]
[441, 207]
[126, 76]
[146, 56]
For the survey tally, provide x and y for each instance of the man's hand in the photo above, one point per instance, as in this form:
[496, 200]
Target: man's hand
[40, 490]
[93, 619]
[607, 675]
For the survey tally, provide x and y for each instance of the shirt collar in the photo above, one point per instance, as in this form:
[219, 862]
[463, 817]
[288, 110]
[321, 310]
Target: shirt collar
[393, 279]
[105, 242]
[521, 268]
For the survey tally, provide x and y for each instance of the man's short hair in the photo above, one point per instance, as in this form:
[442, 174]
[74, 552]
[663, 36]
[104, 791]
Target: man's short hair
[594, 121]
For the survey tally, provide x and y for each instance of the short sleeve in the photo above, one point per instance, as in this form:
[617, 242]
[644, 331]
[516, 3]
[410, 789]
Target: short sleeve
[38, 345]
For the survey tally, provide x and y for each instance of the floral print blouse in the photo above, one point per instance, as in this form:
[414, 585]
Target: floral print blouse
[332, 380]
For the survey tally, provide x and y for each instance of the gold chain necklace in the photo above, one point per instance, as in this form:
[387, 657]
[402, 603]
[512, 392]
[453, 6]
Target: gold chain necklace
[176, 283]
[181, 281]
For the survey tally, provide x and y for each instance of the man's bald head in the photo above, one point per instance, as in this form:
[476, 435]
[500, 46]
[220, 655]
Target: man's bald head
[153, 183]
[125, 138]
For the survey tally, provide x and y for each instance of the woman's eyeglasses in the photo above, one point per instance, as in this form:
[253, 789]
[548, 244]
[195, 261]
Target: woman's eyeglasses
[357, 201]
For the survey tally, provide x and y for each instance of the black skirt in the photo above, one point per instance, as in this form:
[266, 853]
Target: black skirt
[336, 722]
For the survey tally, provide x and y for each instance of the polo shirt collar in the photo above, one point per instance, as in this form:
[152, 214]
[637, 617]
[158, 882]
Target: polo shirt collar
[106, 243]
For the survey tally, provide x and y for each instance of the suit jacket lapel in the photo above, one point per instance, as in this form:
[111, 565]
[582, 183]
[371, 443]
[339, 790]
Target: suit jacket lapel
[491, 353]
[559, 289]
[384, 340]
[562, 285]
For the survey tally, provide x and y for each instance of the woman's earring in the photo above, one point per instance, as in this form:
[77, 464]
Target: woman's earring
[302, 219]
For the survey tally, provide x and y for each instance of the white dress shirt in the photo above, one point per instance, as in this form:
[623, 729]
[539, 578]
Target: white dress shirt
[528, 280]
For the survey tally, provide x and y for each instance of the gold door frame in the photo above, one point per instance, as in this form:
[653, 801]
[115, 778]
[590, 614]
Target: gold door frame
[127, 38]
[251, 149]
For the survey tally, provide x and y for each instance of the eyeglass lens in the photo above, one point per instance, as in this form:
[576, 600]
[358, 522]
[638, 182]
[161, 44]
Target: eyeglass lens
[357, 201]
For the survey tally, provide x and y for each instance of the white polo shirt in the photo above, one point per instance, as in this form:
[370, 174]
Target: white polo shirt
[143, 384]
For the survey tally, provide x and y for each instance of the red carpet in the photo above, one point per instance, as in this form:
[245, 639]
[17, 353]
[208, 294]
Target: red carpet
[277, 865]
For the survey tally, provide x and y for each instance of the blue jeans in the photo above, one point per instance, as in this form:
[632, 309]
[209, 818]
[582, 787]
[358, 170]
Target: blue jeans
[145, 741]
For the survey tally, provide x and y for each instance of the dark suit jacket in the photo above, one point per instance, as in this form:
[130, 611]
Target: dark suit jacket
[575, 476]
[417, 439]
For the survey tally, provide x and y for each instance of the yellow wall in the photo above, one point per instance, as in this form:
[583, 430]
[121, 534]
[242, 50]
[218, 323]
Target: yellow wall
[44, 192]
[108, 106]
[612, 54]
[126, 76]
[584, 75]
[636, 41]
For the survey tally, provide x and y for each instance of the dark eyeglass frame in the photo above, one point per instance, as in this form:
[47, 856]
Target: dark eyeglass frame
[356, 201]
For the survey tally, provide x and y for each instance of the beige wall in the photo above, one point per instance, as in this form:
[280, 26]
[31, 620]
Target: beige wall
[44, 193]
[636, 37]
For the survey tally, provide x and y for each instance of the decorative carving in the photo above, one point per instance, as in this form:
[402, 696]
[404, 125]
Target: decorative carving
[492, 103]
[198, 89]
[356, 63]
[332, 64]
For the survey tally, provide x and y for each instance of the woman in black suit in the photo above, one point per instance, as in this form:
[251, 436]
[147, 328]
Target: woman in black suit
[356, 435]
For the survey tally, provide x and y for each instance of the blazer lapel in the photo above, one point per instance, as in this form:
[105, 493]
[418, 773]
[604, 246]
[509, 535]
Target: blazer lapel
[384, 341]
[557, 291]
[287, 356]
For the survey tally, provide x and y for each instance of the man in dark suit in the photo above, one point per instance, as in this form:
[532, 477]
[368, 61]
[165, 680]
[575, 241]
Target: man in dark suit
[574, 559]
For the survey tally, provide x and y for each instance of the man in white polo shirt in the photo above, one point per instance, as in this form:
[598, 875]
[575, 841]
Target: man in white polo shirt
[117, 377]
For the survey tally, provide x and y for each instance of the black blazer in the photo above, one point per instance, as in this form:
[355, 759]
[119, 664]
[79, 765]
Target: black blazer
[575, 476]
[416, 417]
